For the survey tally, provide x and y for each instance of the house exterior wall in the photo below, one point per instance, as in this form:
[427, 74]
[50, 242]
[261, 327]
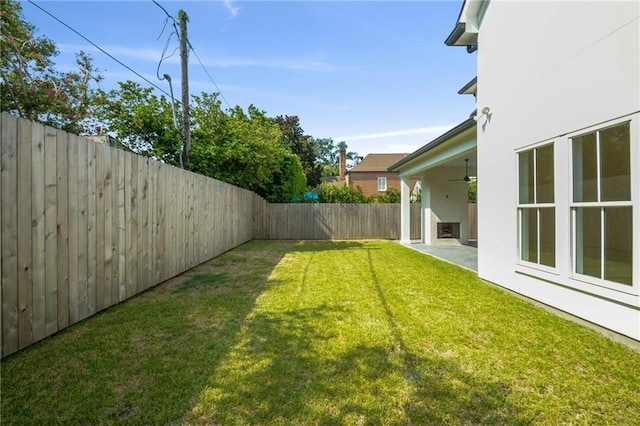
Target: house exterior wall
[368, 181]
[547, 71]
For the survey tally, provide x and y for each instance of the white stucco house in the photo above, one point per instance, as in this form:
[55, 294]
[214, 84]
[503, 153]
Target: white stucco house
[555, 146]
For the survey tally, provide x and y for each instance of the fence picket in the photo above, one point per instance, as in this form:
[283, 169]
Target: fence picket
[9, 237]
[25, 250]
[62, 205]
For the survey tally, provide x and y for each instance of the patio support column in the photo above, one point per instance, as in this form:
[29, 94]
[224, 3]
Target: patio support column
[425, 206]
[405, 216]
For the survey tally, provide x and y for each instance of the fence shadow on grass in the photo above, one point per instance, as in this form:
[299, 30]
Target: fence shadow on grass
[285, 368]
[198, 349]
[279, 373]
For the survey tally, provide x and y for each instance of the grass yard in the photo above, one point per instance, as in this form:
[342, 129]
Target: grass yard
[290, 332]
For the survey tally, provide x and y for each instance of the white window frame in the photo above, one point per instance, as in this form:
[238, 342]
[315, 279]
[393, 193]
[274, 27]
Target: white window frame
[382, 183]
[536, 206]
[633, 203]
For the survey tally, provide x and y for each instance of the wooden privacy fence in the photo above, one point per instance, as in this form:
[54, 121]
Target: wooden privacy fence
[84, 226]
[337, 221]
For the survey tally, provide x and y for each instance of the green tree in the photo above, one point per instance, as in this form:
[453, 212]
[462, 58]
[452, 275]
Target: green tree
[294, 139]
[328, 156]
[30, 85]
[328, 193]
[142, 121]
[244, 149]
[392, 195]
[473, 191]
[288, 182]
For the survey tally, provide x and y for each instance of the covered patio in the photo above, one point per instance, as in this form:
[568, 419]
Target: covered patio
[444, 166]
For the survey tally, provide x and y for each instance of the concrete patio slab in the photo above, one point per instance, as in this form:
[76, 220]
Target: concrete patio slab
[461, 255]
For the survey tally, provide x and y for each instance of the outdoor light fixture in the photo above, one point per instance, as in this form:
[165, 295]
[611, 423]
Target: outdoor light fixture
[486, 111]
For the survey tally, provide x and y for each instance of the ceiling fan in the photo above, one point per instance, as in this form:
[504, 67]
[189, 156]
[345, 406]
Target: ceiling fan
[466, 177]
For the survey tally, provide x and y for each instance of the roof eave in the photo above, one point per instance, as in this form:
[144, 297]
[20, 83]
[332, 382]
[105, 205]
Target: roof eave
[469, 88]
[455, 35]
[465, 125]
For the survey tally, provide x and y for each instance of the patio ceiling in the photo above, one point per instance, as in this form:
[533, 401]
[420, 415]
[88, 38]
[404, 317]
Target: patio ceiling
[448, 150]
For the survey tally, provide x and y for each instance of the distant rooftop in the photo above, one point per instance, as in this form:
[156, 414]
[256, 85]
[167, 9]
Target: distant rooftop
[377, 163]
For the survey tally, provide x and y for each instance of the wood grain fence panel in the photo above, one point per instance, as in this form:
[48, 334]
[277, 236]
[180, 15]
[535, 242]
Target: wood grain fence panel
[134, 223]
[190, 237]
[50, 231]
[83, 229]
[74, 214]
[336, 221]
[25, 251]
[172, 208]
[107, 253]
[141, 243]
[129, 232]
[161, 226]
[9, 237]
[2, 142]
[62, 206]
[121, 227]
[113, 194]
[92, 227]
[152, 227]
[473, 221]
[38, 231]
[203, 208]
[100, 172]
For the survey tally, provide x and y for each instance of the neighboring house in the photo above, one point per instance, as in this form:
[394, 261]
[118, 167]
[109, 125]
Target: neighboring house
[372, 176]
[556, 150]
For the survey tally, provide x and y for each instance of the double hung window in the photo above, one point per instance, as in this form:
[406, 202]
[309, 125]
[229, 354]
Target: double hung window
[601, 208]
[382, 184]
[536, 207]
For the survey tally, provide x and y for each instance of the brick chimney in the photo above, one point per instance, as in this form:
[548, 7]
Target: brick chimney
[343, 164]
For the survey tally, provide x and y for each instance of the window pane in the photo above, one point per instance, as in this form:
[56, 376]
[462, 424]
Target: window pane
[382, 184]
[618, 250]
[525, 169]
[544, 174]
[615, 165]
[588, 241]
[529, 235]
[548, 237]
[585, 168]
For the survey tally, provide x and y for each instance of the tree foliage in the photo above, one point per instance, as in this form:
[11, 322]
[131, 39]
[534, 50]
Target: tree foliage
[294, 139]
[31, 87]
[392, 195]
[142, 121]
[328, 156]
[243, 149]
[328, 193]
[473, 191]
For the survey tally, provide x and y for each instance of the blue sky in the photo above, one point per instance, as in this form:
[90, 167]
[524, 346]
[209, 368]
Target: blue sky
[374, 74]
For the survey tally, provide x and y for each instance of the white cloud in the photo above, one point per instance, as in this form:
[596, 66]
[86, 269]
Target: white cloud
[395, 133]
[233, 9]
[154, 55]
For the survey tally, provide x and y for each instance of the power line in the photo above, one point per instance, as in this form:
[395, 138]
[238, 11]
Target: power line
[101, 49]
[209, 75]
[194, 52]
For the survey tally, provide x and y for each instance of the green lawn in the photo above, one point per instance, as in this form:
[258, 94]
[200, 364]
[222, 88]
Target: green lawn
[365, 332]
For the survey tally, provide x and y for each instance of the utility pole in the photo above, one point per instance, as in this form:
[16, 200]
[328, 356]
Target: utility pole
[184, 57]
